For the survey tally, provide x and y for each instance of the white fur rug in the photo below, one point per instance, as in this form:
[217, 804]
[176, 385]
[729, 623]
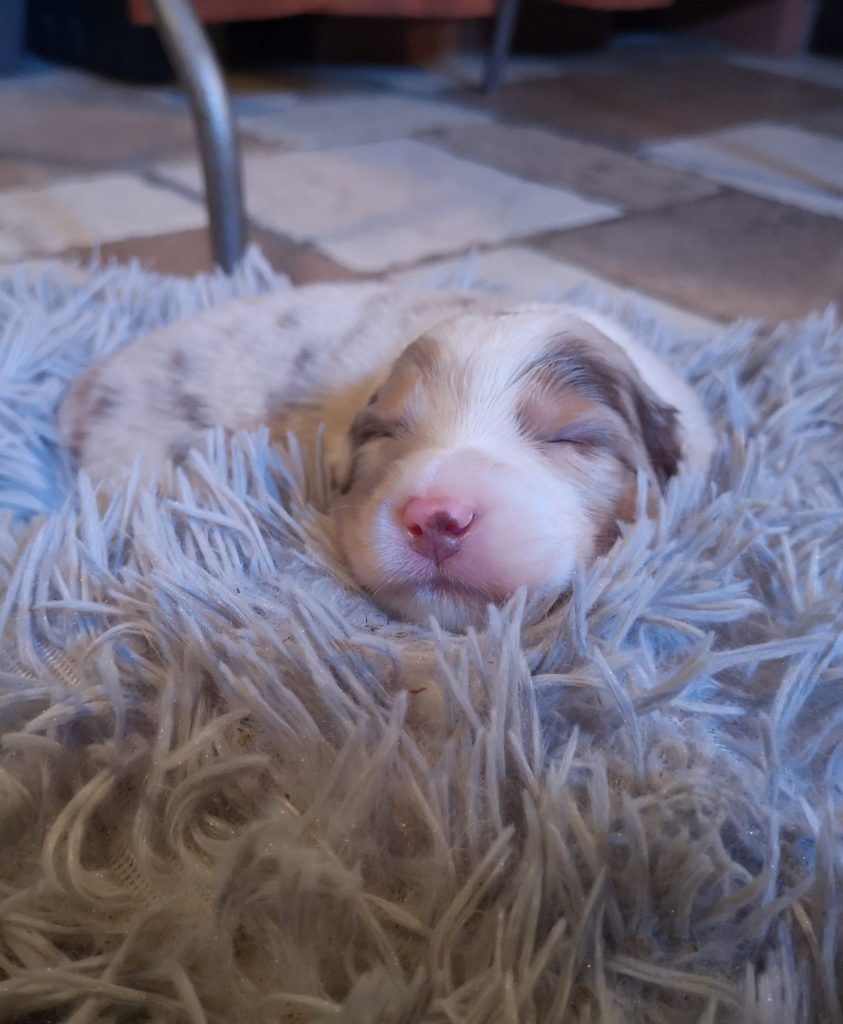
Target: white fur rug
[230, 791]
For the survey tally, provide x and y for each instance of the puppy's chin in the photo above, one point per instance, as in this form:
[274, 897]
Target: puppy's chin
[456, 607]
[530, 529]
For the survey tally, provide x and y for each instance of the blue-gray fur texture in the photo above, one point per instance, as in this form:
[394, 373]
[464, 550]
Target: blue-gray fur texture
[232, 791]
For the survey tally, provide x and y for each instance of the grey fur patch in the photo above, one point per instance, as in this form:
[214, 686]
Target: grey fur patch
[289, 321]
[179, 364]
[303, 358]
[81, 402]
[571, 363]
[76, 443]
[107, 399]
[179, 451]
[83, 389]
[193, 410]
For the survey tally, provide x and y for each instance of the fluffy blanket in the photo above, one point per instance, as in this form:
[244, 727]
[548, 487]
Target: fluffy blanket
[232, 791]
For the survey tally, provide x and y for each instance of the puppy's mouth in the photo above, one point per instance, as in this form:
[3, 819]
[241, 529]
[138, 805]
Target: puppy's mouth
[445, 583]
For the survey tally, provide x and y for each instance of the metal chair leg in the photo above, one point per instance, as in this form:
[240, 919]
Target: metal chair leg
[504, 27]
[199, 72]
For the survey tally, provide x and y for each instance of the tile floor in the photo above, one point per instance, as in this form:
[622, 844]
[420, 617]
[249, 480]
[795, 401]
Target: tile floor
[709, 182]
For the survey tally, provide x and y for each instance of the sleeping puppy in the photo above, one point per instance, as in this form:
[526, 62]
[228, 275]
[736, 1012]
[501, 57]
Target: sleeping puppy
[477, 446]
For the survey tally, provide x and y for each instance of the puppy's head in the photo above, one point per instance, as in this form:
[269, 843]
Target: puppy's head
[500, 452]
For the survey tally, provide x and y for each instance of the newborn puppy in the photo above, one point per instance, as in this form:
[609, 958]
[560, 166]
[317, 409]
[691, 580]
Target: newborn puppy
[498, 450]
[501, 451]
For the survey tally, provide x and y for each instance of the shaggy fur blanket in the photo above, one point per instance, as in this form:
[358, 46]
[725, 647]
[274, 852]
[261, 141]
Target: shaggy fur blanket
[232, 791]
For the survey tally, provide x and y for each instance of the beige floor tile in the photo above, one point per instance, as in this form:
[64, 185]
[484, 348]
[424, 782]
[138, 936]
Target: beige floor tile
[778, 161]
[86, 211]
[381, 205]
[331, 121]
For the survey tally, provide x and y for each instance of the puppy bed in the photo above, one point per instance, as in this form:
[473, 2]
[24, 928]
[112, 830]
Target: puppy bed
[232, 791]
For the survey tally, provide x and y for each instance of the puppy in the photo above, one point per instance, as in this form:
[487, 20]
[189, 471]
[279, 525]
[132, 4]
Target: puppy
[477, 446]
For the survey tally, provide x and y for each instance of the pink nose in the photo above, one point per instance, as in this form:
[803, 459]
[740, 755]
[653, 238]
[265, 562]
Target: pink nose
[436, 526]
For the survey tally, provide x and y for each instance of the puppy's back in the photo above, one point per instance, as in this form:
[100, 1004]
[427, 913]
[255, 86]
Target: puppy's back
[291, 359]
[285, 359]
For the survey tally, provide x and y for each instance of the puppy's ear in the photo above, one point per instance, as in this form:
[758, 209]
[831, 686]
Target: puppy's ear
[584, 360]
[659, 425]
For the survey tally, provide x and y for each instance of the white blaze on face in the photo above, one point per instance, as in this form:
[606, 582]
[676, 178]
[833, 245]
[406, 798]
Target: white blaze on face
[456, 497]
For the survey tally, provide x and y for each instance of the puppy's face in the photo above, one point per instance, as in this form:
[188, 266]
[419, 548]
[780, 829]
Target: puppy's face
[500, 452]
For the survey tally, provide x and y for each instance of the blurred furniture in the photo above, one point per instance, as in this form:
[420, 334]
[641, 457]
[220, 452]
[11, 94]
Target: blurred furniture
[245, 10]
[827, 33]
[11, 35]
[776, 27]
[505, 26]
[200, 74]
[504, 11]
[196, 65]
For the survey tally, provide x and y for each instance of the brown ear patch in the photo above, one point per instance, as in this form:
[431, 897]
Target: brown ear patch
[625, 511]
[659, 432]
[419, 358]
[394, 396]
[193, 410]
[588, 363]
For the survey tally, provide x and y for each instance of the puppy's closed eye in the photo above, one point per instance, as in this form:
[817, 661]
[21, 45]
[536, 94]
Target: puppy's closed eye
[370, 427]
[586, 434]
[367, 428]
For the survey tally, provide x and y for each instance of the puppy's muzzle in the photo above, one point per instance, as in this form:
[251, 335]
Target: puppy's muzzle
[436, 527]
